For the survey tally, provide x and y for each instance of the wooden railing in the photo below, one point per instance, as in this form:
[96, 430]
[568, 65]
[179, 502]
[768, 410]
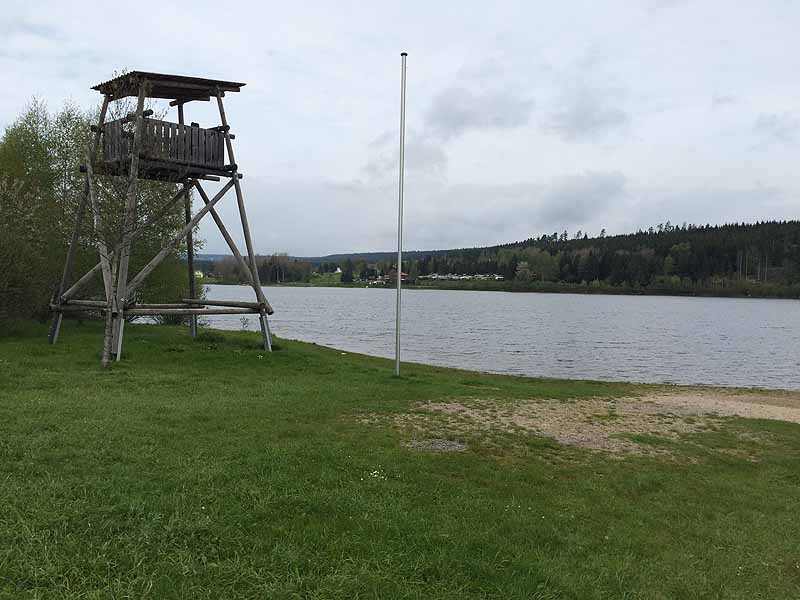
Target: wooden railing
[165, 142]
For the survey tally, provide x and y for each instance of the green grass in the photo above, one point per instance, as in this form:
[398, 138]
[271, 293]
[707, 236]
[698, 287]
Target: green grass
[210, 469]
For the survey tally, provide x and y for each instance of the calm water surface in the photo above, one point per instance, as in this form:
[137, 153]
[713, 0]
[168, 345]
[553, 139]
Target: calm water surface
[654, 339]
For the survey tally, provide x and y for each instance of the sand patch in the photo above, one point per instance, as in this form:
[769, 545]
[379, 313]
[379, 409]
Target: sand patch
[609, 425]
[777, 406]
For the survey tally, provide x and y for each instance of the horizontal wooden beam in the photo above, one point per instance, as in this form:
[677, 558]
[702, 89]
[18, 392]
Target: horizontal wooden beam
[182, 101]
[132, 116]
[190, 311]
[157, 305]
[75, 308]
[231, 303]
[94, 303]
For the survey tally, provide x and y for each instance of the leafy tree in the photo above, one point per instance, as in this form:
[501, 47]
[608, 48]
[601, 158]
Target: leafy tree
[40, 187]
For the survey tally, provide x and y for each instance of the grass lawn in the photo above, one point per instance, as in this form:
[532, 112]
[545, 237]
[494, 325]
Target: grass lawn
[209, 469]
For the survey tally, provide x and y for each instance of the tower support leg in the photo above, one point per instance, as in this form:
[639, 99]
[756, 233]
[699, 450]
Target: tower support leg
[128, 226]
[243, 215]
[58, 317]
[265, 332]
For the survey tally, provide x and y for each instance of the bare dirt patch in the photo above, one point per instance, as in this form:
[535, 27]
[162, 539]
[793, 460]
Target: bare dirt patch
[437, 445]
[609, 425]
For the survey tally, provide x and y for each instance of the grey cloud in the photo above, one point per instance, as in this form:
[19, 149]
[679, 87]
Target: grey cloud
[694, 205]
[422, 155]
[580, 198]
[453, 112]
[585, 117]
[721, 101]
[459, 109]
[343, 216]
[781, 126]
[503, 213]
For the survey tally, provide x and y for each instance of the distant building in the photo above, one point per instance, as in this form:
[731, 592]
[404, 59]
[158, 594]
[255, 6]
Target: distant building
[391, 276]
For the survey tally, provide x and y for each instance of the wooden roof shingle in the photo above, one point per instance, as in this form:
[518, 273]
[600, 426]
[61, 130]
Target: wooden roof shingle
[169, 87]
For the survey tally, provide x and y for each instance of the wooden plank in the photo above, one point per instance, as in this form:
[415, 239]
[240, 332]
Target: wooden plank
[168, 131]
[201, 146]
[161, 138]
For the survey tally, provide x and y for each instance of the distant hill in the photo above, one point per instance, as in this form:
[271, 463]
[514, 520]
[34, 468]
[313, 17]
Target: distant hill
[733, 259]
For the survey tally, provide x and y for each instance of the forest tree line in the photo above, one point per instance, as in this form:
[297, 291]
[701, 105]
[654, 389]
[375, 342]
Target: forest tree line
[749, 258]
[732, 259]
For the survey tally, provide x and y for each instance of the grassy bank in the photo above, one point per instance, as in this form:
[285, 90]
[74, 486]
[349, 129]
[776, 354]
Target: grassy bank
[210, 469]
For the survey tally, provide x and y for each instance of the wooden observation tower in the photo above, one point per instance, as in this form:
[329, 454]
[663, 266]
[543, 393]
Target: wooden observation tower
[157, 150]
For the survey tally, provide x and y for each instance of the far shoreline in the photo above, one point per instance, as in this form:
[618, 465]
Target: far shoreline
[576, 289]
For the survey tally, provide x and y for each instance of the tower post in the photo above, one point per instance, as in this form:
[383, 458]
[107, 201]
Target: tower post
[187, 210]
[128, 223]
[267, 334]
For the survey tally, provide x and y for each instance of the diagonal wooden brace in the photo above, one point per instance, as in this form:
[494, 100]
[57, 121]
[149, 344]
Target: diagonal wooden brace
[148, 268]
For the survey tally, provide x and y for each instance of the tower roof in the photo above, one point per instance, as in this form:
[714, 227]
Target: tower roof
[169, 87]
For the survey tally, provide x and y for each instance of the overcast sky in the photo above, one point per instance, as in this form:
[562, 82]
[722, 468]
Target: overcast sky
[523, 118]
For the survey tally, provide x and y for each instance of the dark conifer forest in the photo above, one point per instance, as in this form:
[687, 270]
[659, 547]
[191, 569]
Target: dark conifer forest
[758, 258]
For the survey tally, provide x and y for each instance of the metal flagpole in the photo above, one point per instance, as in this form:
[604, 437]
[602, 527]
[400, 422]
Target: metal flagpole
[403, 56]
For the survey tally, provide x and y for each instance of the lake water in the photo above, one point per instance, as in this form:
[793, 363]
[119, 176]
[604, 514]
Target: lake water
[654, 339]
